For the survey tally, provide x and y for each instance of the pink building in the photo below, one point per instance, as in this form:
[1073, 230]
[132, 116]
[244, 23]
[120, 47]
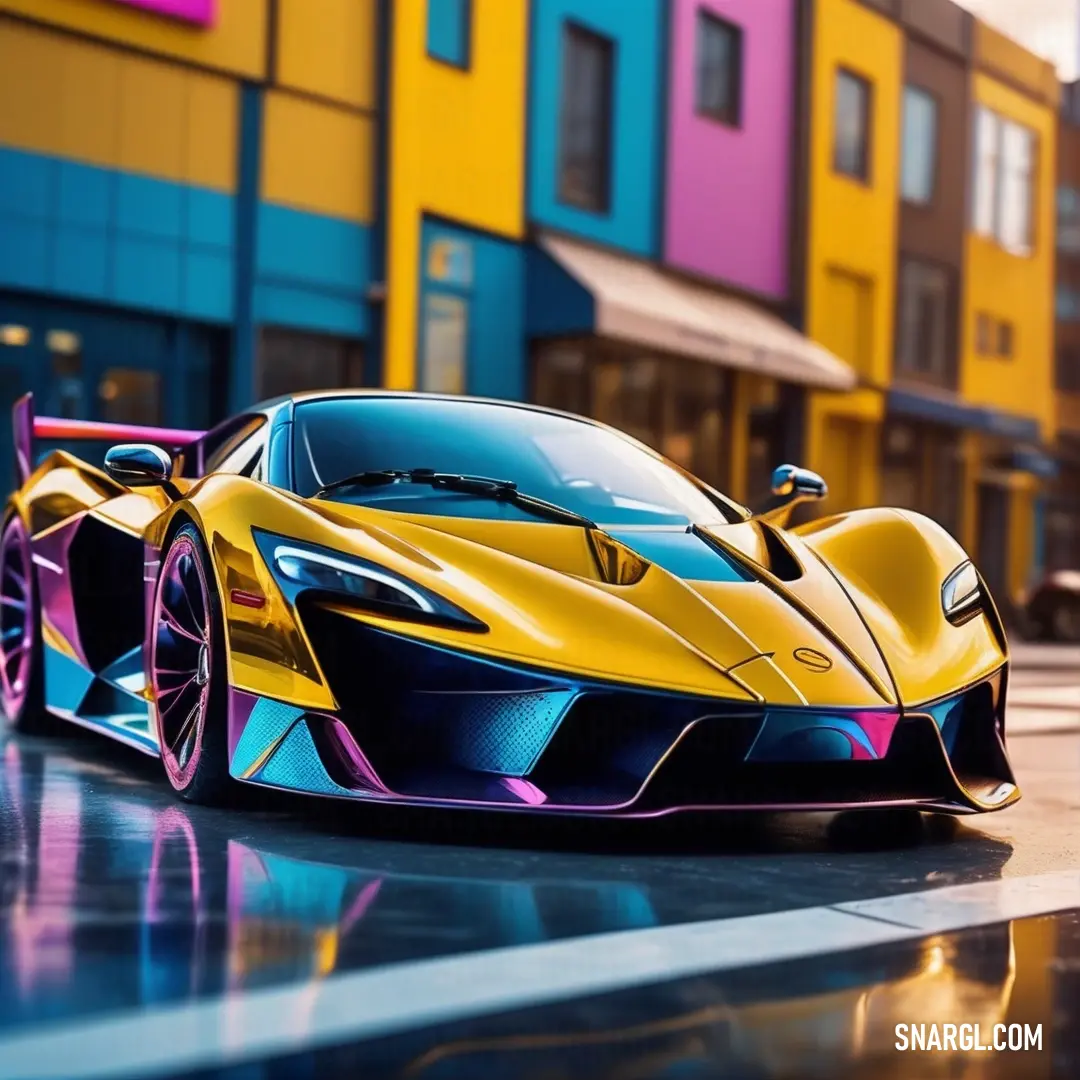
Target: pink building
[730, 137]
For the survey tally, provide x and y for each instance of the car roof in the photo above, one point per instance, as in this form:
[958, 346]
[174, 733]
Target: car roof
[304, 396]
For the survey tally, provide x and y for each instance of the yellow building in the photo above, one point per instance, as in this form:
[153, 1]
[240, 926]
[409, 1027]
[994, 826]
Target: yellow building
[1007, 313]
[456, 151]
[851, 242]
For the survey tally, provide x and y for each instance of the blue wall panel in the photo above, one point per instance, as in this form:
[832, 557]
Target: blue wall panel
[312, 271]
[448, 30]
[490, 278]
[98, 234]
[26, 184]
[81, 263]
[84, 195]
[146, 274]
[304, 309]
[149, 207]
[25, 250]
[637, 29]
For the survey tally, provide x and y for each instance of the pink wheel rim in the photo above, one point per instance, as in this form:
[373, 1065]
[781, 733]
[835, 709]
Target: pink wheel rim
[16, 618]
[181, 655]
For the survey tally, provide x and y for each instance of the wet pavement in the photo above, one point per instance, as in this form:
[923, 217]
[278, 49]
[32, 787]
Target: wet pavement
[117, 902]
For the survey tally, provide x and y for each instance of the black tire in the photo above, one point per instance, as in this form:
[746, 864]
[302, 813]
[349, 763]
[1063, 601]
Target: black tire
[207, 781]
[29, 716]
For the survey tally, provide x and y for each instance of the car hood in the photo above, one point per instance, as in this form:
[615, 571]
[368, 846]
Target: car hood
[708, 616]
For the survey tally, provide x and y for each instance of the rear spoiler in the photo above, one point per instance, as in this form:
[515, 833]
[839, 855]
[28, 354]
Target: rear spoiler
[26, 427]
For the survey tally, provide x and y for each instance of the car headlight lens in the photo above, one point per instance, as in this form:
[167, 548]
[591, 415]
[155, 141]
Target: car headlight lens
[318, 571]
[299, 567]
[961, 595]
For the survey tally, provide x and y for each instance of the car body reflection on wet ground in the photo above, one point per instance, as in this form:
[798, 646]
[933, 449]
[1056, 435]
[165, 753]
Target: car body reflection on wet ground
[116, 898]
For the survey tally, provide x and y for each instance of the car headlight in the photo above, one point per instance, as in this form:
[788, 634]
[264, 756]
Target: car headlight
[299, 567]
[961, 595]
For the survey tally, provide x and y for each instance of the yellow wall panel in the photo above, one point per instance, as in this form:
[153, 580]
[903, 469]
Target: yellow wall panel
[152, 118]
[851, 243]
[457, 149]
[236, 43]
[94, 104]
[317, 157]
[1015, 288]
[32, 96]
[328, 48]
[212, 131]
[89, 78]
[853, 224]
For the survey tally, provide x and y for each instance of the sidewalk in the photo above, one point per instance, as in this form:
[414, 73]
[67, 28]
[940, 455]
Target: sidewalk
[1029, 656]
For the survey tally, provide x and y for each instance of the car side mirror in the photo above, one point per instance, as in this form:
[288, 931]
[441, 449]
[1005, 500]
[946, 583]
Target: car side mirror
[798, 484]
[139, 465]
[791, 486]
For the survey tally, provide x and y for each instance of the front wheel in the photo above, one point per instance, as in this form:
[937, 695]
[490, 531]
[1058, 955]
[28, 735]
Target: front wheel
[22, 690]
[188, 672]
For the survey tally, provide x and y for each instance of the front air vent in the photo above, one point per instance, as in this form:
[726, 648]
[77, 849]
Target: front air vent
[782, 562]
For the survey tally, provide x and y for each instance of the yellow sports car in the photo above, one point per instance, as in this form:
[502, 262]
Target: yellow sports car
[444, 600]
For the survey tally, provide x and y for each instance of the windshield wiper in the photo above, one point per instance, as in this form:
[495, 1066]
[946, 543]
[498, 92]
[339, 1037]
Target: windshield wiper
[485, 487]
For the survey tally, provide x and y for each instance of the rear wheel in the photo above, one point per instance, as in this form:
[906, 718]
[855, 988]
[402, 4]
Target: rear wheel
[187, 672]
[22, 693]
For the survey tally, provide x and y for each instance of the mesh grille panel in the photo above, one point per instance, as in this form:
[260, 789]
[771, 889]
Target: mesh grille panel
[504, 733]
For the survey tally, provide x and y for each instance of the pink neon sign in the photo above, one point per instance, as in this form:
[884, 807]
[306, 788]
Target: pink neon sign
[200, 12]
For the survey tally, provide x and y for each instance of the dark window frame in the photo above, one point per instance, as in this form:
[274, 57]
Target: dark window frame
[935, 100]
[574, 32]
[708, 21]
[1067, 367]
[465, 63]
[947, 375]
[1004, 340]
[864, 173]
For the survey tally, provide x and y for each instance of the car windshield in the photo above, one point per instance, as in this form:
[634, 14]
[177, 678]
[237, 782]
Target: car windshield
[576, 465]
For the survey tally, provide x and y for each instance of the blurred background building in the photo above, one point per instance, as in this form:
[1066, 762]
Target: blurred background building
[745, 231]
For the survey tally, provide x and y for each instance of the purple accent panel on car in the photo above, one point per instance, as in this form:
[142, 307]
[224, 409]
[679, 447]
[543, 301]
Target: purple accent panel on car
[22, 427]
[353, 756]
[729, 180]
[801, 735]
[241, 705]
[50, 555]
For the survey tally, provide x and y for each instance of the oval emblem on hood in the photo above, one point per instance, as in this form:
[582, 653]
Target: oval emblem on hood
[812, 659]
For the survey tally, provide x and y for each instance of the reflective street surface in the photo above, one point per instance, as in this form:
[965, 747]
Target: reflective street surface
[141, 937]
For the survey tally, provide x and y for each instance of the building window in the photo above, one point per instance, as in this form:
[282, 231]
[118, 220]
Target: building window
[130, 396]
[675, 405]
[445, 336]
[922, 470]
[1067, 304]
[1068, 368]
[922, 347]
[1004, 179]
[291, 361]
[851, 119]
[919, 146]
[984, 334]
[1068, 220]
[1006, 339]
[449, 26]
[585, 119]
[719, 69]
